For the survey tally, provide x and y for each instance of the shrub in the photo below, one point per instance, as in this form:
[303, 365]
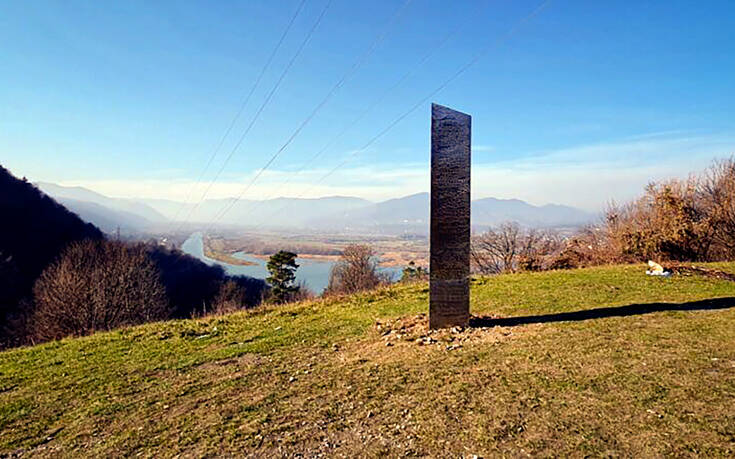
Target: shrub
[590, 246]
[509, 248]
[356, 270]
[675, 220]
[231, 297]
[34, 231]
[668, 223]
[97, 285]
[302, 293]
[234, 294]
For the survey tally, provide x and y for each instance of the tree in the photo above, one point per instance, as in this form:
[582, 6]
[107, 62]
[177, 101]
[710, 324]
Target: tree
[509, 248]
[97, 285]
[717, 192]
[356, 270]
[282, 266]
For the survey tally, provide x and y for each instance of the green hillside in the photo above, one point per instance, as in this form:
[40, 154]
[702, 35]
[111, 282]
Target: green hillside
[340, 377]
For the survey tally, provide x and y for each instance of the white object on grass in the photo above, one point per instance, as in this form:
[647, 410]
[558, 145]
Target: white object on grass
[657, 269]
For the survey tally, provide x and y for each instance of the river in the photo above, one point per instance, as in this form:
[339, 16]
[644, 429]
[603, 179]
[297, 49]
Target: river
[313, 272]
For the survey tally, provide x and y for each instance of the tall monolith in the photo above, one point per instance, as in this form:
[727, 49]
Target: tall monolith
[449, 270]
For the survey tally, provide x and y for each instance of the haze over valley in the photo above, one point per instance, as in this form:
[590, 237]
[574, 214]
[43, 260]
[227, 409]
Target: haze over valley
[340, 214]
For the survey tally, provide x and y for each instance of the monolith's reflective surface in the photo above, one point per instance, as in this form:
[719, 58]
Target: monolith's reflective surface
[449, 299]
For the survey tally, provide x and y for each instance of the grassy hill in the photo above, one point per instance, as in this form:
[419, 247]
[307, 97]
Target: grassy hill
[628, 376]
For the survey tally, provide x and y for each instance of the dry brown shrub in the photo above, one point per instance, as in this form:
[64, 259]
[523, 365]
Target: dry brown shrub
[717, 197]
[302, 294]
[356, 270]
[97, 285]
[675, 220]
[668, 222]
[231, 297]
[590, 246]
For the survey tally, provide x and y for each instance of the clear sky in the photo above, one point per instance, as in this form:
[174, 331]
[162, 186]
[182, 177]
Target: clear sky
[584, 102]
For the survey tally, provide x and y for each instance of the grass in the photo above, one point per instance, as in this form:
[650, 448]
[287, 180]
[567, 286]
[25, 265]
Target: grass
[318, 377]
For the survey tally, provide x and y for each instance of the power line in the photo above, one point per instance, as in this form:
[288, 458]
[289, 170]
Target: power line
[355, 66]
[370, 107]
[243, 104]
[262, 106]
[507, 36]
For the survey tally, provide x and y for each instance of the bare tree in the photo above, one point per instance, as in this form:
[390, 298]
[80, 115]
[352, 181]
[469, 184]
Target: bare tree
[718, 199]
[509, 248]
[97, 285]
[356, 270]
[495, 250]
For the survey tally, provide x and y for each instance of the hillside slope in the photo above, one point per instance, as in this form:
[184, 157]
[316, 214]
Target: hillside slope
[603, 361]
[34, 230]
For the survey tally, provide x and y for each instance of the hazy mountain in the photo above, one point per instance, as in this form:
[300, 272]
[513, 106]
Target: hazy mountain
[335, 213]
[492, 211]
[107, 219]
[411, 214]
[276, 213]
[279, 212]
[120, 205]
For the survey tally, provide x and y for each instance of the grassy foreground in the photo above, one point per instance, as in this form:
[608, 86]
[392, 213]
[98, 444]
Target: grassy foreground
[318, 378]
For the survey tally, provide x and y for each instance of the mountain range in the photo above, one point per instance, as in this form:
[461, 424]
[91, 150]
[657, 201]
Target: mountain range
[408, 214]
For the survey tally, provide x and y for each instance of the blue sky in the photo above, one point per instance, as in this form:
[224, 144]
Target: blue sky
[583, 103]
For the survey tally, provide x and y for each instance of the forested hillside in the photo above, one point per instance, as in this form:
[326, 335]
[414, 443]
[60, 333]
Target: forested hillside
[87, 280]
[34, 231]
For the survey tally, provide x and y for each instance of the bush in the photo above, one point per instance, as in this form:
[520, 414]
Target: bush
[97, 285]
[675, 220]
[590, 246]
[34, 231]
[356, 270]
[667, 223]
[301, 294]
[231, 297]
[510, 248]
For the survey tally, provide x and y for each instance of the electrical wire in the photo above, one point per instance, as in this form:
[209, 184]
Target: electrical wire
[260, 109]
[501, 40]
[350, 72]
